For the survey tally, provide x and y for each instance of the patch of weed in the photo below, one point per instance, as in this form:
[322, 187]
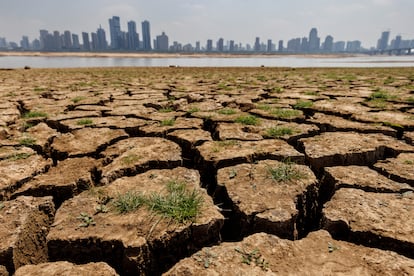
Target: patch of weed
[27, 141]
[285, 113]
[167, 122]
[193, 110]
[253, 256]
[179, 204]
[303, 104]
[130, 159]
[34, 114]
[84, 122]
[227, 111]
[86, 220]
[128, 202]
[285, 171]
[248, 120]
[166, 110]
[19, 156]
[205, 257]
[279, 131]
[78, 99]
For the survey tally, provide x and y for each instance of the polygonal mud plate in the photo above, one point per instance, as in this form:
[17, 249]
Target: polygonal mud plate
[265, 196]
[317, 254]
[400, 169]
[382, 220]
[135, 155]
[66, 268]
[24, 223]
[89, 228]
[219, 154]
[350, 148]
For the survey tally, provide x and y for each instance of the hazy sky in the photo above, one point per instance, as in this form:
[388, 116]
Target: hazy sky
[192, 20]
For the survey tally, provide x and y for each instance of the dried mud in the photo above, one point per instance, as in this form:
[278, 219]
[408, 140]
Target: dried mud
[298, 171]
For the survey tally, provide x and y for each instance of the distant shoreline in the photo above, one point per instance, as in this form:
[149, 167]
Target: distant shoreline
[168, 55]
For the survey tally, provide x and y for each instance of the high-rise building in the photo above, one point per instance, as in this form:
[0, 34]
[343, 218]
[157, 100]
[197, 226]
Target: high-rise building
[67, 40]
[115, 31]
[269, 47]
[101, 44]
[209, 46]
[57, 39]
[257, 45]
[220, 45]
[383, 41]
[146, 35]
[328, 44]
[162, 42]
[133, 39]
[86, 42]
[24, 43]
[231, 46]
[314, 41]
[75, 41]
[198, 46]
[280, 47]
[353, 46]
[339, 46]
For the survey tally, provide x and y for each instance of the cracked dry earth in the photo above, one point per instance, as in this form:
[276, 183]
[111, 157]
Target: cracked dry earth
[296, 171]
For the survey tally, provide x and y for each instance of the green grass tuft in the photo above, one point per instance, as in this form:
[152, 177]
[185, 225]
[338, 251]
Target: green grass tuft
[27, 141]
[84, 122]
[279, 131]
[248, 120]
[128, 202]
[227, 111]
[167, 122]
[34, 114]
[303, 104]
[179, 203]
[285, 113]
[285, 171]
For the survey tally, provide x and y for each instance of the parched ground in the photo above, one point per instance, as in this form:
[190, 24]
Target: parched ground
[207, 171]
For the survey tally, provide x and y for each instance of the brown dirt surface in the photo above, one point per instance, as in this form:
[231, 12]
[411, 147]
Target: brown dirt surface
[138, 237]
[24, 223]
[400, 168]
[81, 138]
[66, 268]
[386, 219]
[317, 254]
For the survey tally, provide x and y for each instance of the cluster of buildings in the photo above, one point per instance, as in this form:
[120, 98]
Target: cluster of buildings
[130, 40]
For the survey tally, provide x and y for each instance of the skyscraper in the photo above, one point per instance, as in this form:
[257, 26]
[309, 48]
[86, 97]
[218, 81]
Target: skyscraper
[115, 31]
[146, 36]
[102, 44]
[314, 40]
[68, 40]
[220, 45]
[162, 42]
[133, 39]
[257, 45]
[328, 44]
[383, 41]
[209, 46]
[86, 42]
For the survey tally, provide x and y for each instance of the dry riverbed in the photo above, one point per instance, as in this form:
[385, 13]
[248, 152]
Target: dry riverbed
[207, 171]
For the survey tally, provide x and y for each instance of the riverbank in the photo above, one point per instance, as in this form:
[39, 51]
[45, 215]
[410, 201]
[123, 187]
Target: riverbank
[168, 55]
[192, 171]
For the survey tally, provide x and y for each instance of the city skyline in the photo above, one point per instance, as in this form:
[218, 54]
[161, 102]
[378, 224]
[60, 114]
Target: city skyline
[120, 40]
[190, 21]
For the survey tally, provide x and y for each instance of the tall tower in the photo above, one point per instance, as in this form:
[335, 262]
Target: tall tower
[101, 39]
[146, 36]
[133, 39]
[383, 41]
[314, 40]
[115, 31]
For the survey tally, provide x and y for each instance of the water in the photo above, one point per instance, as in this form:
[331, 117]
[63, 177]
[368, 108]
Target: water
[269, 61]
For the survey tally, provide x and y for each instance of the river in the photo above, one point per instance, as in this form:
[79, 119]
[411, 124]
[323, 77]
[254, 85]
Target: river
[205, 61]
